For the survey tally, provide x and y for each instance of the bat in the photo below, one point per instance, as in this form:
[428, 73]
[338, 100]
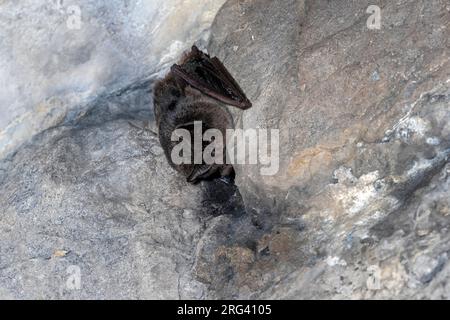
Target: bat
[198, 88]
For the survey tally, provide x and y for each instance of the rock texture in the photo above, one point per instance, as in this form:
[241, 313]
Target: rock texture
[100, 197]
[56, 55]
[359, 209]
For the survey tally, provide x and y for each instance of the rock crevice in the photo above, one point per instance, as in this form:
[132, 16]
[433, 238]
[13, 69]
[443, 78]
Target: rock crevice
[359, 208]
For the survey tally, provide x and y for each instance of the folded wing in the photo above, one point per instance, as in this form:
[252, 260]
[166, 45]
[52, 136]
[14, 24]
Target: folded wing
[209, 76]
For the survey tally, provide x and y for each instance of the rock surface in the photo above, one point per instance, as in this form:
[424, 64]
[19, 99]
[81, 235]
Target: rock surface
[97, 200]
[359, 209]
[359, 206]
[58, 55]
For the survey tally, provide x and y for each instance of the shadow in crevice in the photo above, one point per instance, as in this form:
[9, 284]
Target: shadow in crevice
[222, 197]
[133, 102]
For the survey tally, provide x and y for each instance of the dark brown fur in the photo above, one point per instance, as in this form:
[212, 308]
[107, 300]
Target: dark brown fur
[186, 95]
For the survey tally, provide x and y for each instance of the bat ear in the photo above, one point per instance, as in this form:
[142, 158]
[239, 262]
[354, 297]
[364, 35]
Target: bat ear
[194, 49]
[196, 52]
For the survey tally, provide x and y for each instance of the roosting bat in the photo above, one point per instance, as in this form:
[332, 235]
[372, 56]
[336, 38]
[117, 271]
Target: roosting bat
[196, 89]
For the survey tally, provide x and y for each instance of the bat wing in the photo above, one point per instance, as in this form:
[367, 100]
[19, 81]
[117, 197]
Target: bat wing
[209, 76]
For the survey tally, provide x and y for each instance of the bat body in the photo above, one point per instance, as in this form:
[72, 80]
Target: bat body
[196, 89]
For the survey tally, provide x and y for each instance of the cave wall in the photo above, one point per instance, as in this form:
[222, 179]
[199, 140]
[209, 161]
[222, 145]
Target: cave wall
[56, 55]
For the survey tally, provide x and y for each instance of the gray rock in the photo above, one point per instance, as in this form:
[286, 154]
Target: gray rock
[97, 200]
[56, 56]
[354, 209]
[359, 209]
